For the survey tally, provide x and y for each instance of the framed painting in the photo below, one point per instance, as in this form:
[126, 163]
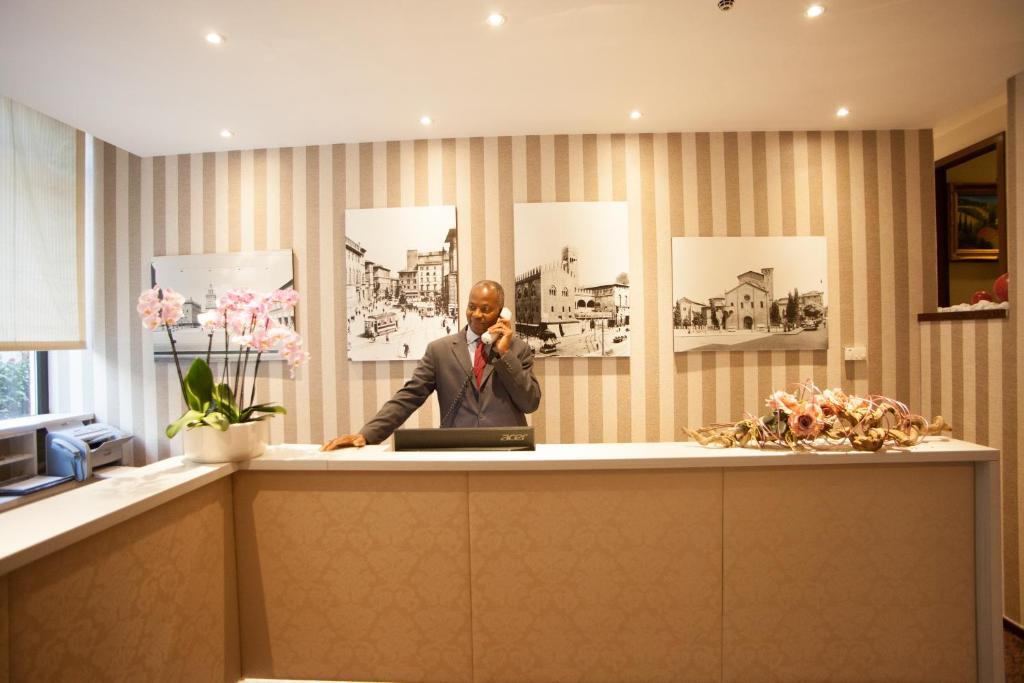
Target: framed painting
[749, 293]
[203, 278]
[973, 222]
[572, 278]
[401, 283]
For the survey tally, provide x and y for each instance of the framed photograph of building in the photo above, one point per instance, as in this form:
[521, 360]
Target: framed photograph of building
[203, 278]
[572, 278]
[973, 222]
[401, 280]
[749, 293]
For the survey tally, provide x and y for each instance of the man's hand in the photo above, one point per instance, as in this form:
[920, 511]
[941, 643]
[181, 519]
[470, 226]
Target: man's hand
[347, 441]
[503, 332]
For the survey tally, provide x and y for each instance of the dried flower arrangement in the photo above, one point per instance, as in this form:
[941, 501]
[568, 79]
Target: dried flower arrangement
[807, 418]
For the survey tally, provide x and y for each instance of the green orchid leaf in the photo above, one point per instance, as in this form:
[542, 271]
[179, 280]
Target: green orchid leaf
[269, 408]
[217, 421]
[198, 384]
[193, 401]
[222, 394]
[175, 427]
[226, 402]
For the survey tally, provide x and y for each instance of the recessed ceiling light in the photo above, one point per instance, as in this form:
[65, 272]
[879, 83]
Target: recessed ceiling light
[426, 120]
[214, 38]
[635, 114]
[225, 133]
[814, 11]
[495, 19]
[842, 111]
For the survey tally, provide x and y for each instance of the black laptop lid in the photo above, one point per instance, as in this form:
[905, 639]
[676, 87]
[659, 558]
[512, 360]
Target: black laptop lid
[465, 439]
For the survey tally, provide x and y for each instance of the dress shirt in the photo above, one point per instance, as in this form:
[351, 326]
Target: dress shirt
[472, 339]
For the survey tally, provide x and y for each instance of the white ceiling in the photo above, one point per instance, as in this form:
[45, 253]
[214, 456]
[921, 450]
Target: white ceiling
[139, 74]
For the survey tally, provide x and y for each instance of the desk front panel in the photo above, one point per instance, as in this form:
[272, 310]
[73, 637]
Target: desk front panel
[861, 573]
[597, 576]
[151, 599]
[354, 575]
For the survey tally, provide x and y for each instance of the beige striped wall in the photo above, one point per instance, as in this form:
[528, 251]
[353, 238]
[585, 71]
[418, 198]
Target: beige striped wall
[970, 370]
[1011, 363]
[870, 192]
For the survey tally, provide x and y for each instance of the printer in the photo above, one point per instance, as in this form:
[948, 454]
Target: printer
[75, 449]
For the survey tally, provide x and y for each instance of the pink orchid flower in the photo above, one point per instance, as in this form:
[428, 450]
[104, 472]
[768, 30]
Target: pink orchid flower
[210, 320]
[158, 306]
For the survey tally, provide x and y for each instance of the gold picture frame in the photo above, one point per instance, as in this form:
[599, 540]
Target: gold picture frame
[973, 222]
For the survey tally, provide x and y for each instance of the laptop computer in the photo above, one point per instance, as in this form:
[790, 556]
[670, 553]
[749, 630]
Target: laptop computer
[465, 439]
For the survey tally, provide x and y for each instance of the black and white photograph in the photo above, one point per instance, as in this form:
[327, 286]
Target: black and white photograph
[203, 278]
[749, 293]
[401, 280]
[572, 278]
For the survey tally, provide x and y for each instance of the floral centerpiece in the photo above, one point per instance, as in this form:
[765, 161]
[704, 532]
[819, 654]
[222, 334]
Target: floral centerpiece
[245, 320]
[807, 417]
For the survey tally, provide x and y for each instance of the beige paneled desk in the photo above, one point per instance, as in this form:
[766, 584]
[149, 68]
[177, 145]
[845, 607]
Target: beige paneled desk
[615, 562]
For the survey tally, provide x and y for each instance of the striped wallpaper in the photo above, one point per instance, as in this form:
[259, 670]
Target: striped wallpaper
[1011, 364]
[869, 192]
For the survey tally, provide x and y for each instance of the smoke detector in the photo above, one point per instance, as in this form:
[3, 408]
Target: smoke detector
[725, 5]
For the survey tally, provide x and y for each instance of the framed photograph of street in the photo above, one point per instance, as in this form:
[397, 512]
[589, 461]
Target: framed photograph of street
[572, 278]
[401, 280]
[973, 222]
[203, 278]
[749, 293]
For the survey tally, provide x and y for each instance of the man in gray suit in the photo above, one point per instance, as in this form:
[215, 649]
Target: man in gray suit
[477, 384]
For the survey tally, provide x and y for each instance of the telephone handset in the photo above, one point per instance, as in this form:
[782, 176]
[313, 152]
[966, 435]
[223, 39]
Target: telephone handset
[505, 315]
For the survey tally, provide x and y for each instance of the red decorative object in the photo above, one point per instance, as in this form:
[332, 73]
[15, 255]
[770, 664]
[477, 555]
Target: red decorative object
[1001, 287]
[981, 295]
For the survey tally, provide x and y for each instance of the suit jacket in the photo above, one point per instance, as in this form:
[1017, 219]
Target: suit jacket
[507, 392]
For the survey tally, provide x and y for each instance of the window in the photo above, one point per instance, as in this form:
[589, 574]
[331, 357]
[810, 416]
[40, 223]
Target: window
[565, 291]
[20, 384]
[552, 291]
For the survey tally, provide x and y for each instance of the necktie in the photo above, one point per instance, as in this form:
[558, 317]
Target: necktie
[479, 362]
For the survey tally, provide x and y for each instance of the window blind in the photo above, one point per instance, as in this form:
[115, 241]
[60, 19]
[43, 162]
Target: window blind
[42, 221]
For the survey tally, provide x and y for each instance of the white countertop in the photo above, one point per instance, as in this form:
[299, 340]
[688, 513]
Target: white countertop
[601, 457]
[37, 529]
[19, 426]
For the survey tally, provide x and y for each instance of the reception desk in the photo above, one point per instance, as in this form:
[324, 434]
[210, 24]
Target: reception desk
[614, 562]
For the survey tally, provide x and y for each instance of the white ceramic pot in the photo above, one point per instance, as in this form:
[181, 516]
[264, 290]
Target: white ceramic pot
[240, 442]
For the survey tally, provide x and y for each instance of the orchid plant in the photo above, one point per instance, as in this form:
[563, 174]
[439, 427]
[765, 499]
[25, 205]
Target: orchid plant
[247, 323]
[808, 417]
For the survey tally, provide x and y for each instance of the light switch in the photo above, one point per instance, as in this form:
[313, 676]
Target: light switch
[855, 353]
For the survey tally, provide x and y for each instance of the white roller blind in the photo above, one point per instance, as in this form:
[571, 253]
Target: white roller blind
[41, 231]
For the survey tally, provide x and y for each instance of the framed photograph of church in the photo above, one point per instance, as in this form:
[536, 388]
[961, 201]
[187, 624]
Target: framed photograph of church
[571, 288]
[401, 280]
[749, 293]
[203, 278]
